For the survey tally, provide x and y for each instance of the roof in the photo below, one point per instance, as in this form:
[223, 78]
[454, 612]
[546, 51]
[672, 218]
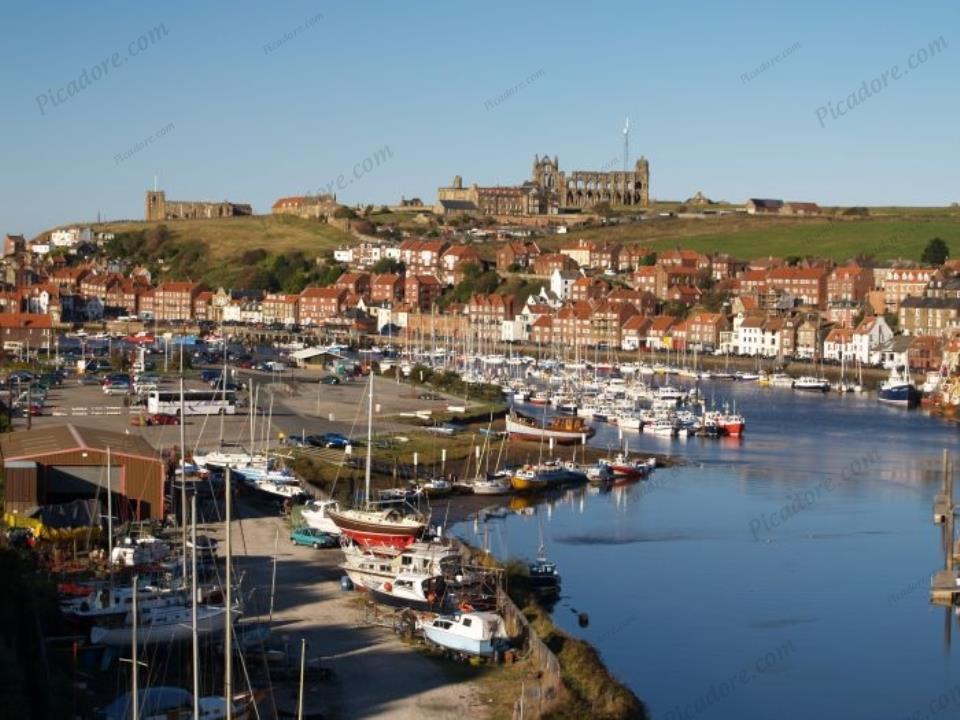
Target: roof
[25, 320]
[32, 444]
[457, 205]
[768, 203]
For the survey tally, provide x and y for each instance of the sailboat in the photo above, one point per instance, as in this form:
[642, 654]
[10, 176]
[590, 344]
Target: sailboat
[370, 526]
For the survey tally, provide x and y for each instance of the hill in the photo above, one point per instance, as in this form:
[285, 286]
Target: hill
[888, 233]
[266, 251]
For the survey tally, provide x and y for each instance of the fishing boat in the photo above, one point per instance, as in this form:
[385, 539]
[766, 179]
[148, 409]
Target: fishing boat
[624, 468]
[898, 389]
[732, 424]
[472, 633]
[417, 591]
[527, 479]
[544, 576]
[564, 429]
[662, 426]
[315, 514]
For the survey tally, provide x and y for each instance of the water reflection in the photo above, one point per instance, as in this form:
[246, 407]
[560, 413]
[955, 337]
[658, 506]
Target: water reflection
[681, 594]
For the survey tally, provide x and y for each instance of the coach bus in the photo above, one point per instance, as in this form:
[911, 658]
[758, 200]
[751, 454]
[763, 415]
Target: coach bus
[195, 402]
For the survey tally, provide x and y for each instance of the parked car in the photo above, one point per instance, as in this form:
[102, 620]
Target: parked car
[117, 388]
[329, 440]
[209, 376]
[311, 537]
[330, 380]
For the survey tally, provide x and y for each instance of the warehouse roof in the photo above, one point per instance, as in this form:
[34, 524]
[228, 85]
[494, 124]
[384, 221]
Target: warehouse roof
[62, 438]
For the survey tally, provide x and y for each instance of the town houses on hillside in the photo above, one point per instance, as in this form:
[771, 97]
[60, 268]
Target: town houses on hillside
[565, 291]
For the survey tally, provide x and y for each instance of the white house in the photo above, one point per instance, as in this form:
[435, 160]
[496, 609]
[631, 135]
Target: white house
[561, 282]
[868, 337]
[749, 335]
[838, 344]
[40, 248]
[515, 330]
[70, 237]
[343, 255]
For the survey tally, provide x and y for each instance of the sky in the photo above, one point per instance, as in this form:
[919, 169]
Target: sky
[249, 102]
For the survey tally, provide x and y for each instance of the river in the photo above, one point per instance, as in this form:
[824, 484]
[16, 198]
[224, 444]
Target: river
[785, 574]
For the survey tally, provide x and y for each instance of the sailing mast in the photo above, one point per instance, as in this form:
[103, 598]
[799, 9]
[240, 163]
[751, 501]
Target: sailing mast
[109, 520]
[183, 475]
[228, 597]
[193, 606]
[366, 476]
[135, 667]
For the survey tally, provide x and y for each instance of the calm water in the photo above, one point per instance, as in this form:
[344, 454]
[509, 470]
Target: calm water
[708, 601]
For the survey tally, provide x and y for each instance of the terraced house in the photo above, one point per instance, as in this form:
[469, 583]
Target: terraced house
[174, 300]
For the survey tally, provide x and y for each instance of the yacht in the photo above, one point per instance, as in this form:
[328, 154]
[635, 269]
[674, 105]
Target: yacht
[368, 569]
[314, 514]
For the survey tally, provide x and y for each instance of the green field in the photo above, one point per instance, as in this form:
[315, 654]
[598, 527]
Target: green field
[889, 233]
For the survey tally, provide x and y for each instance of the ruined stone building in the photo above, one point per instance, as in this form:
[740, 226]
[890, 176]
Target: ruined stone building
[550, 191]
[309, 207]
[159, 208]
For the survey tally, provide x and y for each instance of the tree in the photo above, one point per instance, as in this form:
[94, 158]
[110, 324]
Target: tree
[344, 212]
[936, 252]
[649, 259]
[388, 265]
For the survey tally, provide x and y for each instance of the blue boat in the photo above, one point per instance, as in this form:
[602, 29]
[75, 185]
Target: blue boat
[898, 389]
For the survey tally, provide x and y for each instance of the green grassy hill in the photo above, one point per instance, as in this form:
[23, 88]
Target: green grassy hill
[887, 233]
[265, 251]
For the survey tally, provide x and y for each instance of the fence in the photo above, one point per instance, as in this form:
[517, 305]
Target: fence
[539, 696]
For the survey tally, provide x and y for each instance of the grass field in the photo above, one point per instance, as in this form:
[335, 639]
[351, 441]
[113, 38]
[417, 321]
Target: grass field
[227, 238]
[888, 234]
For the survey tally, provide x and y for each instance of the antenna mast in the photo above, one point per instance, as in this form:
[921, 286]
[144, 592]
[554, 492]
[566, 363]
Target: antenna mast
[626, 145]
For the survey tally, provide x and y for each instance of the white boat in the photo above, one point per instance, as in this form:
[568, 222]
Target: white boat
[472, 633]
[367, 569]
[662, 426]
[238, 460]
[417, 591]
[495, 484]
[628, 421]
[808, 382]
[781, 380]
[314, 514]
[172, 703]
[109, 602]
[161, 625]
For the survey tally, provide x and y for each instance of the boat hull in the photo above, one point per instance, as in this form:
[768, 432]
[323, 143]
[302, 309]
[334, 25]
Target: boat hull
[458, 643]
[367, 534]
[902, 395]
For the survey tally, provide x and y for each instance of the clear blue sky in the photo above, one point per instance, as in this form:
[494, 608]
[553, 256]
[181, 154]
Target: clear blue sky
[251, 125]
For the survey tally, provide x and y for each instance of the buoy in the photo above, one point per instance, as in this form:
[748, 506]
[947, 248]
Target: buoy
[583, 619]
[387, 587]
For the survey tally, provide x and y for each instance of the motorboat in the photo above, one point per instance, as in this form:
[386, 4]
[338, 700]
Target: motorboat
[808, 382]
[416, 591]
[781, 380]
[527, 479]
[544, 577]
[436, 487]
[314, 514]
[471, 633]
[368, 569]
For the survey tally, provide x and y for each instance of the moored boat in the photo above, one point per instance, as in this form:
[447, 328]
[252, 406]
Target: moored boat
[564, 430]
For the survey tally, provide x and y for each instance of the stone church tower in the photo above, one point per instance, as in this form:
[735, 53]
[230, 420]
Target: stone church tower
[156, 205]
